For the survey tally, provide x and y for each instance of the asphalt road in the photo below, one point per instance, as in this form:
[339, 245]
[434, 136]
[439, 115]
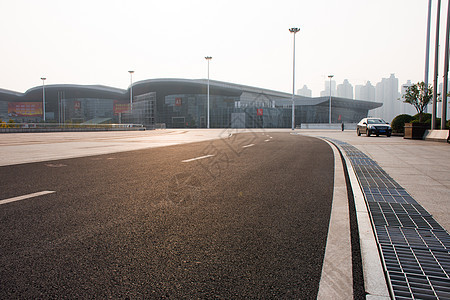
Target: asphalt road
[247, 220]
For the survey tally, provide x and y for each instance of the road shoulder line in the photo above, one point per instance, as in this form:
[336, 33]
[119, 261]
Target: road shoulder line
[14, 199]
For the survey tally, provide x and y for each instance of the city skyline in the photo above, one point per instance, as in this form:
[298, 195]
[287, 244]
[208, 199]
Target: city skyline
[388, 91]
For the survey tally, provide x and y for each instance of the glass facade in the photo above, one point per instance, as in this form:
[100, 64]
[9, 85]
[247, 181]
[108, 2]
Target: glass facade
[247, 111]
[182, 103]
[190, 110]
[79, 110]
[143, 112]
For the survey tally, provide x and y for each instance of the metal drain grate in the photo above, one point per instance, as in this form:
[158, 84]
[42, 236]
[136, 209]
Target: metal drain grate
[414, 247]
[391, 195]
[416, 272]
[413, 237]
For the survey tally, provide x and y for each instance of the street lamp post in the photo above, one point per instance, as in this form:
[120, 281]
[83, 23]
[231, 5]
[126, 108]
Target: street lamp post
[427, 49]
[446, 64]
[330, 76]
[43, 97]
[436, 66]
[131, 89]
[294, 31]
[208, 58]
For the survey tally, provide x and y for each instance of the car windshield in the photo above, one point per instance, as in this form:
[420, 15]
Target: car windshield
[375, 121]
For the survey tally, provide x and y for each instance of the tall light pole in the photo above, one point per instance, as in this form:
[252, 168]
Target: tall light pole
[427, 48]
[330, 76]
[131, 89]
[293, 30]
[436, 66]
[43, 97]
[446, 63]
[208, 58]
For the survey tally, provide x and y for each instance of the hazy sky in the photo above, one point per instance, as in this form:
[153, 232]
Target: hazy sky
[98, 41]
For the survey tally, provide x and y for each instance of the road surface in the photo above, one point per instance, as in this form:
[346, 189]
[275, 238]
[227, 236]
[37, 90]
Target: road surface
[241, 217]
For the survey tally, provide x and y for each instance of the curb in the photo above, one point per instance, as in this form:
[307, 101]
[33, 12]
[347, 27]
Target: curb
[336, 281]
[374, 277]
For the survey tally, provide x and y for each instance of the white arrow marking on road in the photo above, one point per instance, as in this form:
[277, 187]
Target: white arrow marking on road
[25, 197]
[246, 146]
[197, 158]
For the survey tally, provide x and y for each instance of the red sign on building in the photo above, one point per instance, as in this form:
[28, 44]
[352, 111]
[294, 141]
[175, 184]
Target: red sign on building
[259, 112]
[121, 107]
[178, 102]
[24, 109]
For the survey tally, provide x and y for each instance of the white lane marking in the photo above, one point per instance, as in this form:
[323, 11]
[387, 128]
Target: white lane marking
[246, 146]
[197, 158]
[25, 197]
[266, 140]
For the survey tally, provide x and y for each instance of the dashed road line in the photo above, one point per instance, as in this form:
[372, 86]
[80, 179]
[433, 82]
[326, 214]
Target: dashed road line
[197, 158]
[246, 146]
[9, 200]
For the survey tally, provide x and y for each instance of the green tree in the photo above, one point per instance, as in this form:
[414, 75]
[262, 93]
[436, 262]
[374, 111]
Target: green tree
[418, 95]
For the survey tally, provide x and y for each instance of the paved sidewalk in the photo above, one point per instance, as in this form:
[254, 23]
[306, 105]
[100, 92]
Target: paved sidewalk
[415, 248]
[422, 168]
[19, 148]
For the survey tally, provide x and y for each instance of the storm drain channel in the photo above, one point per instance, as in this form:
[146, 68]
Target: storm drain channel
[415, 248]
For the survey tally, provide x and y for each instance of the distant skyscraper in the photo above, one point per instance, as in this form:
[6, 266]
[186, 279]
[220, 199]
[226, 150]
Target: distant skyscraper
[365, 92]
[345, 90]
[304, 91]
[386, 92]
[326, 92]
[405, 107]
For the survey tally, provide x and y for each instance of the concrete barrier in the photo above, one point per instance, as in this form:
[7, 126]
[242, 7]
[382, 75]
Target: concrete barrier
[436, 135]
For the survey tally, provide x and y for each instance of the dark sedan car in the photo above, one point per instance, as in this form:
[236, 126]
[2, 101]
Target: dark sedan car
[375, 126]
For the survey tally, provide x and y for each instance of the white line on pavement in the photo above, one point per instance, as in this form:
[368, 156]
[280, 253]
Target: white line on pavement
[246, 146]
[197, 158]
[25, 197]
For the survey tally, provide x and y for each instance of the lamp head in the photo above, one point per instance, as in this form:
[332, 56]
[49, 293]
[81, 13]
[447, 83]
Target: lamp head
[294, 30]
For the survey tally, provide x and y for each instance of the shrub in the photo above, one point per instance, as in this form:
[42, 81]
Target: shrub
[398, 123]
[426, 118]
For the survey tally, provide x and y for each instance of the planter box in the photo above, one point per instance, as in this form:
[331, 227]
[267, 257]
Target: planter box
[415, 131]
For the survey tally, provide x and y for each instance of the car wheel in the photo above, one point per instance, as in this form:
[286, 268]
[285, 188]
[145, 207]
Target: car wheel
[388, 135]
[377, 135]
[358, 132]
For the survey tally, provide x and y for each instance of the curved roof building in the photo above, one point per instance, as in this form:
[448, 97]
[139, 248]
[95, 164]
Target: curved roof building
[177, 103]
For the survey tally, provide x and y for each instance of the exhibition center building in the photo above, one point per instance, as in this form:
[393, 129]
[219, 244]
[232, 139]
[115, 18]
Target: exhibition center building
[176, 103]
